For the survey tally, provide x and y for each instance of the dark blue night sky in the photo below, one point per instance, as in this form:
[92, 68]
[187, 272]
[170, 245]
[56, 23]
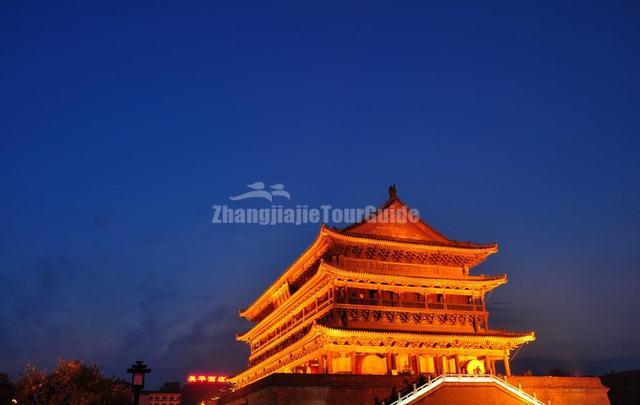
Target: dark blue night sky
[122, 123]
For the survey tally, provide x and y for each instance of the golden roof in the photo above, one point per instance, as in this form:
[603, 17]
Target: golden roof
[491, 336]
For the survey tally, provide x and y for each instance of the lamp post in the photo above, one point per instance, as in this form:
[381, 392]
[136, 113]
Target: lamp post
[138, 370]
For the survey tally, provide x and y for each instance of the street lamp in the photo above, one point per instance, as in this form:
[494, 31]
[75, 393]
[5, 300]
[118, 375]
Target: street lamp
[138, 370]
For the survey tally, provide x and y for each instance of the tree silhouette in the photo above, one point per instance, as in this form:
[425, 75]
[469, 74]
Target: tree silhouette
[71, 382]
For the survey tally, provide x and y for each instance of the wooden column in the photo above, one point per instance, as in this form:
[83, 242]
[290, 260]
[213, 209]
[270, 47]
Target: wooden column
[354, 363]
[389, 363]
[322, 364]
[329, 359]
[507, 367]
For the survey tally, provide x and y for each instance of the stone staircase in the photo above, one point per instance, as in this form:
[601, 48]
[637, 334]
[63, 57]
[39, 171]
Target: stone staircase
[432, 384]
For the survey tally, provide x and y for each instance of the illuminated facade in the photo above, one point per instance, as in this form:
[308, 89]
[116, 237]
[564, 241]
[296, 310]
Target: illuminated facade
[380, 297]
[160, 398]
[169, 394]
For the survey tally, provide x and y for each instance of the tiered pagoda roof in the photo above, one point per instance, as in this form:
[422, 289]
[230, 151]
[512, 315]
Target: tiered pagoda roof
[404, 236]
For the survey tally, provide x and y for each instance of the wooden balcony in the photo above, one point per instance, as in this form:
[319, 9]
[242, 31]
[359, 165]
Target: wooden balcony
[412, 304]
[301, 318]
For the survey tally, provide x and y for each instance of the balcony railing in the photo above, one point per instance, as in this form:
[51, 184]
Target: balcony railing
[460, 307]
[411, 304]
[363, 301]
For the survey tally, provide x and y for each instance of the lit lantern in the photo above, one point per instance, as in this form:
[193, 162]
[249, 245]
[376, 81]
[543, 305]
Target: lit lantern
[138, 371]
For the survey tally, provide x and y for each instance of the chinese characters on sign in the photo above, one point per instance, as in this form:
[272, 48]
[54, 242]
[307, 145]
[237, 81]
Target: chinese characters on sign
[206, 379]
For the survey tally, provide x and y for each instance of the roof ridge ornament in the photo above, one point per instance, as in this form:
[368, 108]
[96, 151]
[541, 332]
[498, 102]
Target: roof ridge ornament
[393, 193]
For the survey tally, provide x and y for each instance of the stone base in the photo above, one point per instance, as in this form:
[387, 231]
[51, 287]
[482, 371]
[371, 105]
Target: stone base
[336, 389]
[564, 390]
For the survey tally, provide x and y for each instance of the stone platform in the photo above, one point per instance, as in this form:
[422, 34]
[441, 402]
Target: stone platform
[336, 389]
